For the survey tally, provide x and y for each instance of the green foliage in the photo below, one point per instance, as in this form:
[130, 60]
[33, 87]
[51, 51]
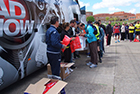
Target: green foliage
[90, 18]
[107, 18]
[111, 19]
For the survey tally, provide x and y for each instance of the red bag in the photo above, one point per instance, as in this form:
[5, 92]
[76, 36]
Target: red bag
[136, 40]
[72, 47]
[75, 44]
[66, 41]
[49, 86]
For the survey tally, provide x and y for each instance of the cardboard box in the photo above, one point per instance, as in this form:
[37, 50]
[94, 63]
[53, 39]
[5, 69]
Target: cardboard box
[39, 87]
[64, 70]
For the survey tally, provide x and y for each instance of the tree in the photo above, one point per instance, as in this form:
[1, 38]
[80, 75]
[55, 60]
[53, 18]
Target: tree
[90, 18]
[111, 19]
[115, 19]
[107, 18]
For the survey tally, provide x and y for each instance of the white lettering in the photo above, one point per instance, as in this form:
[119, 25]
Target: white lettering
[12, 5]
[27, 24]
[19, 27]
[1, 27]
[4, 11]
[6, 27]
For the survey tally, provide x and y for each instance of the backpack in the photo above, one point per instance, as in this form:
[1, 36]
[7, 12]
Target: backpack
[94, 28]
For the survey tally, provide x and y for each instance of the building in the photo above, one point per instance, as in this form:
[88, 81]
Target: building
[89, 14]
[118, 16]
[138, 16]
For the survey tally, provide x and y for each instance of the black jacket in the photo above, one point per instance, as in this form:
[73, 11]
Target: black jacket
[103, 27]
[109, 30]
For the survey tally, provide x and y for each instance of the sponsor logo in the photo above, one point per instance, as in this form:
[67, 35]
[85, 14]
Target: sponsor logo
[15, 18]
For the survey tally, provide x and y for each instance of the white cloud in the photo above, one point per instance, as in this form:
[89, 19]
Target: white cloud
[113, 3]
[111, 9]
[137, 5]
[84, 4]
[133, 10]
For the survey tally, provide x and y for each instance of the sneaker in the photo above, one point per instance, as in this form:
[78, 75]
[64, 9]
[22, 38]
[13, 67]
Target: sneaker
[88, 56]
[100, 60]
[89, 63]
[118, 41]
[115, 41]
[107, 46]
[93, 66]
[71, 70]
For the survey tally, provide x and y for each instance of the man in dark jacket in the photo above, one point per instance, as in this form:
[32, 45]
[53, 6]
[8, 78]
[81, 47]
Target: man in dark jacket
[109, 32]
[54, 46]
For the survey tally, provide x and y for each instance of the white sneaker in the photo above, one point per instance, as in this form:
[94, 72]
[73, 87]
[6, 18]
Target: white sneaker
[71, 70]
[93, 66]
[89, 63]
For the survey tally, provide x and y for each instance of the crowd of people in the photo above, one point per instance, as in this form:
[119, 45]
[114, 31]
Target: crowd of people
[93, 32]
[125, 31]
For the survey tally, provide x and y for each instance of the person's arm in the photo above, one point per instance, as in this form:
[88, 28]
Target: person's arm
[90, 32]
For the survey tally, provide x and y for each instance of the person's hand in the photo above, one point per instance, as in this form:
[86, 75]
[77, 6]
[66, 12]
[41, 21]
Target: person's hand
[107, 34]
[83, 34]
[61, 42]
[73, 38]
[64, 47]
[99, 40]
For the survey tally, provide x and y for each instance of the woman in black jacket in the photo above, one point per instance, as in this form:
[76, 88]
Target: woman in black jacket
[67, 52]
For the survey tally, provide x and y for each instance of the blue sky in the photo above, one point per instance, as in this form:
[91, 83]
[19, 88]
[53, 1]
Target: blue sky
[111, 6]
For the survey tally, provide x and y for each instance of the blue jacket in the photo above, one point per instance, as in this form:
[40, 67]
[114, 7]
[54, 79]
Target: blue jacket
[101, 36]
[53, 41]
[90, 34]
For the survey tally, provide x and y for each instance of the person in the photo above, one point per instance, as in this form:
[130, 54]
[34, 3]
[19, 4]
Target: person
[123, 32]
[54, 46]
[119, 26]
[137, 26]
[99, 37]
[72, 33]
[67, 52]
[131, 31]
[109, 32]
[116, 31]
[104, 28]
[92, 40]
[126, 32]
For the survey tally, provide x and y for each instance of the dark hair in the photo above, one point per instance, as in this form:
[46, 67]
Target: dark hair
[97, 23]
[82, 24]
[54, 19]
[89, 22]
[65, 25]
[99, 20]
[72, 21]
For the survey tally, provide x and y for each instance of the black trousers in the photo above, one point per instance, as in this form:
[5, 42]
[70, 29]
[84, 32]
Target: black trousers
[131, 36]
[108, 40]
[67, 55]
[55, 60]
[122, 36]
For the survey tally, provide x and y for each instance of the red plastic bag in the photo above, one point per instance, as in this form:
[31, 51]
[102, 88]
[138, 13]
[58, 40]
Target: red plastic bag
[72, 47]
[65, 41]
[136, 40]
[75, 44]
[49, 86]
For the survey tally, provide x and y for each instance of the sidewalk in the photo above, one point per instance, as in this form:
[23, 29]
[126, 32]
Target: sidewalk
[118, 74]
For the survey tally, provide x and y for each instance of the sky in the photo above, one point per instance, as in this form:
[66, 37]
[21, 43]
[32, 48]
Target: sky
[111, 6]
